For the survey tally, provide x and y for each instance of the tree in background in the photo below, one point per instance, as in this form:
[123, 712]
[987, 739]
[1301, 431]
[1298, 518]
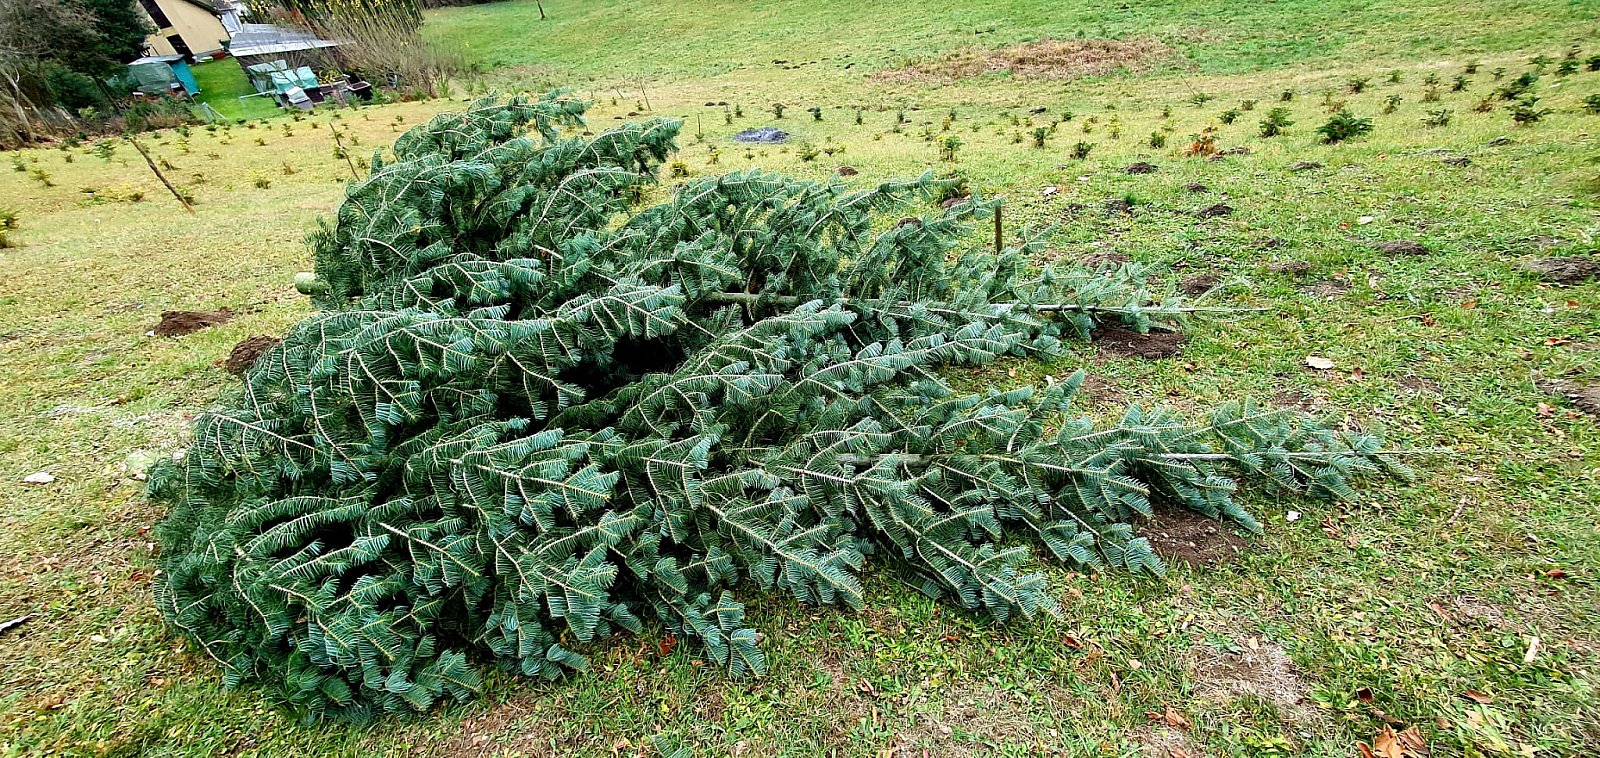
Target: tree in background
[55, 56]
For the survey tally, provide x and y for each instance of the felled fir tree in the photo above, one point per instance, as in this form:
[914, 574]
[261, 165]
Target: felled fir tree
[528, 416]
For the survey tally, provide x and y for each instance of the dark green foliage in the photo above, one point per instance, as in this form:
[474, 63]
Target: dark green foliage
[1525, 110]
[1276, 122]
[1344, 126]
[70, 89]
[1591, 105]
[1082, 150]
[1229, 116]
[114, 35]
[1517, 87]
[1437, 118]
[528, 416]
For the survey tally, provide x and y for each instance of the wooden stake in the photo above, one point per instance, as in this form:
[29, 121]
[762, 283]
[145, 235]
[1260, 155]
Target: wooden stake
[157, 171]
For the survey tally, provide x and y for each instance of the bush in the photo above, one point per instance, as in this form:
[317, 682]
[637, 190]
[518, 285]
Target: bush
[1276, 122]
[70, 89]
[1344, 126]
[526, 419]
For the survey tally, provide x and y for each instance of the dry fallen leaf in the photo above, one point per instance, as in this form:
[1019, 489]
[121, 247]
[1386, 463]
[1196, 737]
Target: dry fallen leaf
[1175, 719]
[1318, 362]
[1478, 697]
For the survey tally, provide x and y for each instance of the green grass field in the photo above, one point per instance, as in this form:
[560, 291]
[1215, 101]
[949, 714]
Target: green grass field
[222, 85]
[1481, 576]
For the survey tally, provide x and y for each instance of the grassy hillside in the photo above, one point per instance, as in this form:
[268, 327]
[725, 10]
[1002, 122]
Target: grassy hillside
[1417, 604]
[728, 38]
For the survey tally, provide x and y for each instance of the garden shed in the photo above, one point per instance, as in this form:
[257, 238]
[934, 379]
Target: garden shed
[256, 44]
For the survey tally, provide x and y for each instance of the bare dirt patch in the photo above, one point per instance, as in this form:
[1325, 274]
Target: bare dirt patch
[1121, 340]
[1563, 270]
[1108, 259]
[1328, 288]
[1213, 211]
[1260, 669]
[1199, 284]
[976, 724]
[1162, 741]
[1098, 391]
[1046, 59]
[1141, 167]
[1299, 400]
[1584, 397]
[247, 352]
[1183, 536]
[1402, 247]
[179, 323]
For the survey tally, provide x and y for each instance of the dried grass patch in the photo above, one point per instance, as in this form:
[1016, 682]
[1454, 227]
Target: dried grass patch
[1044, 59]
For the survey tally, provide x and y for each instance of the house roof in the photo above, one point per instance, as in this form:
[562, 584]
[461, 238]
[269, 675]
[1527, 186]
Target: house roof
[271, 39]
[205, 5]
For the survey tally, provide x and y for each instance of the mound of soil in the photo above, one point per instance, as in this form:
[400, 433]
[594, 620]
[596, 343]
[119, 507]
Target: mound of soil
[1110, 259]
[1585, 397]
[954, 201]
[1402, 247]
[179, 323]
[1141, 167]
[1563, 270]
[1045, 59]
[1213, 211]
[1459, 161]
[1240, 150]
[1304, 166]
[846, 171]
[1116, 206]
[246, 353]
[1199, 284]
[1196, 187]
[1183, 536]
[764, 135]
[1120, 340]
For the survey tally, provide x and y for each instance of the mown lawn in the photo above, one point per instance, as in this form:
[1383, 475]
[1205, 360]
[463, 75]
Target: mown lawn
[222, 85]
[1340, 619]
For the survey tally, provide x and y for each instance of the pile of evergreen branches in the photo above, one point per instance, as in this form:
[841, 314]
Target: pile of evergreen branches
[529, 414]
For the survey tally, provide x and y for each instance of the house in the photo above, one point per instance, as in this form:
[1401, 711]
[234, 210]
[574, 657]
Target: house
[190, 28]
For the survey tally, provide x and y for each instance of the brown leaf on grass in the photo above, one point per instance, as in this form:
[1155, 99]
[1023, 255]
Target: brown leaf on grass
[1169, 717]
[1478, 697]
[1392, 744]
[666, 645]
